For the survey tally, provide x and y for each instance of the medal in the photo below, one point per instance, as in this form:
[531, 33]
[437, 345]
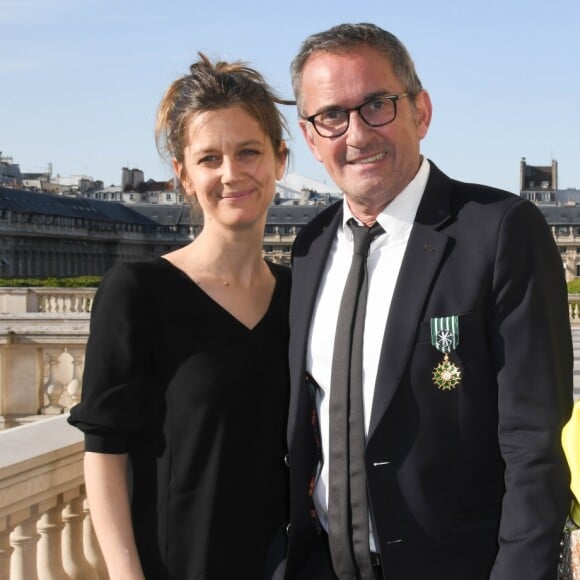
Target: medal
[445, 338]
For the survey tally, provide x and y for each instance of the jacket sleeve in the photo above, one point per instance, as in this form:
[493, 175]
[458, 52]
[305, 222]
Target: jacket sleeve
[529, 332]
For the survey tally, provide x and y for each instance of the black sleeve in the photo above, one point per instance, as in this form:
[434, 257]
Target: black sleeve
[117, 402]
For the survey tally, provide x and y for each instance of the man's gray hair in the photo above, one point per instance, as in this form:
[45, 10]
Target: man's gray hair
[341, 39]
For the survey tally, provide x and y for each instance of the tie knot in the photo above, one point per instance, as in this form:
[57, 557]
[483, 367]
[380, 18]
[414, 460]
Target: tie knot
[363, 236]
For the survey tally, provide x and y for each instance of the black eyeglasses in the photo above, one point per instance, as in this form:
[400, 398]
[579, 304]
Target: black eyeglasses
[375, 112]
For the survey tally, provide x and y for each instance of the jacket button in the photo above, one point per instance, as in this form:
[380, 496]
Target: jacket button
[288, 529]
[286, 460]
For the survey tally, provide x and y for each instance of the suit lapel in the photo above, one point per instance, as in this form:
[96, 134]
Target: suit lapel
[422, 258]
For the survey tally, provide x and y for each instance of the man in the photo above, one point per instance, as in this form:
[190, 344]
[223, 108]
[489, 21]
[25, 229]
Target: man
[467, 360]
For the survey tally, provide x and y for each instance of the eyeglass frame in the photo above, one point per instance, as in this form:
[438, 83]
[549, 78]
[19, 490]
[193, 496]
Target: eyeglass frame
[392, 98]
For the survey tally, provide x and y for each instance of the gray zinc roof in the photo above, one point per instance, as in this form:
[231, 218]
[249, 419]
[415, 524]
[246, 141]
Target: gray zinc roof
[293, 214]
[561, 214]
[23, 201]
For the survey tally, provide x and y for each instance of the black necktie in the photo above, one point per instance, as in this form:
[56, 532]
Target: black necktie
[348, 524]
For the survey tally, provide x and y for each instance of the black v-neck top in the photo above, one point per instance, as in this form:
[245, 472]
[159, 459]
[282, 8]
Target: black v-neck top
[199, 402]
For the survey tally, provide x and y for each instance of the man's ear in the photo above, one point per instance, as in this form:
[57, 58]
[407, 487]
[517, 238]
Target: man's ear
[423, 113]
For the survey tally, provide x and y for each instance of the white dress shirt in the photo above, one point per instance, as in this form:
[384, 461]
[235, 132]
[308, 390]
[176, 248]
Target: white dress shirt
[383, 264]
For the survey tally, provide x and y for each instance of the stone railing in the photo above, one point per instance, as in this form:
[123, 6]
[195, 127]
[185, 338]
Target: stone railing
[45, 527]
[66, 301]
[574, 307]
[46, 300]
[41, 364]
[42, 353]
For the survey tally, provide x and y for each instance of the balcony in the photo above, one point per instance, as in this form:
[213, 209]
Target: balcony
[45, 525]
[45, 528]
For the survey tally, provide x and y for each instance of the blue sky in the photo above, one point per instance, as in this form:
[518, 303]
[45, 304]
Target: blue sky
[80, 80]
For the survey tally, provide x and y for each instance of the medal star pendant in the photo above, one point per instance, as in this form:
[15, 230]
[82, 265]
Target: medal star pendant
[446, 374]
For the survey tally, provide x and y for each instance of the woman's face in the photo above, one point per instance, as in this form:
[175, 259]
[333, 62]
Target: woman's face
[230, 167]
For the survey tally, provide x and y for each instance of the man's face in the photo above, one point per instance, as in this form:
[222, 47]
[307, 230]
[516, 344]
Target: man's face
[371, 165]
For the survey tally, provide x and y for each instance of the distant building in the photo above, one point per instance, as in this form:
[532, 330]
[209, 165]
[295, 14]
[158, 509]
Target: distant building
[538, 183]
[76, 184]
[74, 226]
[42, 235]
[564, 221]
[560, 207]
[10, 175]
[131, 178]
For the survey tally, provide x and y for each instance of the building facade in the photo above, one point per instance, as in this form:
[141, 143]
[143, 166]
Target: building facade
[560, 207]
[43, 235]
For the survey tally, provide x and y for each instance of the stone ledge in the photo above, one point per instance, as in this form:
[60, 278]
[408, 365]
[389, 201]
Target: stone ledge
[39, 461]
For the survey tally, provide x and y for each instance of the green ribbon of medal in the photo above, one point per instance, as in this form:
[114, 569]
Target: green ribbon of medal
[445, 338]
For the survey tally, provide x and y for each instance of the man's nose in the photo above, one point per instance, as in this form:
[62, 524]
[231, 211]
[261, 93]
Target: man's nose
[358, 130]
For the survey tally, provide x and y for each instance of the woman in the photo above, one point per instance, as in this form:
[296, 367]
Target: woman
[185, 377]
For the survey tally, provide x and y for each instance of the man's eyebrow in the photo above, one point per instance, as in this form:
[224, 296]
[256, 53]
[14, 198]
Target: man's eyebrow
[377, 94]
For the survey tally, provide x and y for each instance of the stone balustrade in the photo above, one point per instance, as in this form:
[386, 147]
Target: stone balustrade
[45, 527]
[574, 307]
[43, 335]
[41, 364]
[46, 300]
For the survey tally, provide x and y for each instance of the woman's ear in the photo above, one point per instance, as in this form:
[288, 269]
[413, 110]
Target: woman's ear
[179, 171]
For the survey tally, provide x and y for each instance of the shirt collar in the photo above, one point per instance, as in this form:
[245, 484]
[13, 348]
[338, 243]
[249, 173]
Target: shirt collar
[396, 218]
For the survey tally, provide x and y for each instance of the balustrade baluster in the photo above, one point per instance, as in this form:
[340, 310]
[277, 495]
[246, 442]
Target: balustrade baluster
[49, 556]
[74, 559]
[5, 551]
[74, 388]
[53, 389]
[24, 539]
